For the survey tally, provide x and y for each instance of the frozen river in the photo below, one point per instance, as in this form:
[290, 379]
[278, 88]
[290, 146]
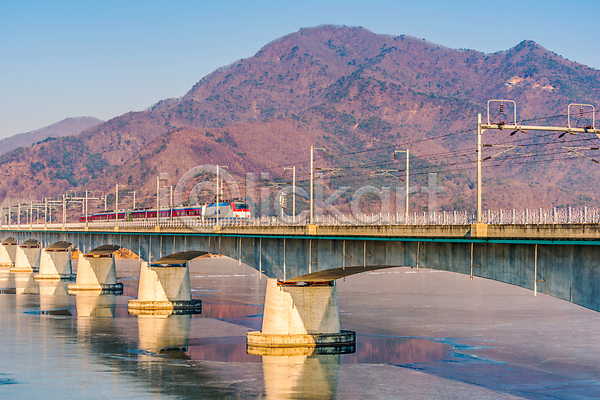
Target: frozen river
[424, 334]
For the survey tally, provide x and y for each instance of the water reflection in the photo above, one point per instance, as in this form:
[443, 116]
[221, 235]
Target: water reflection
[6, 282]
[314, 376]
[287, 372]
[368, 350]
[53, 295]
[204, 356]
[228, 349]
[24, 283]
[164, 334]
[93, 303]
[50, 288]
[230, 311]
[395, 350]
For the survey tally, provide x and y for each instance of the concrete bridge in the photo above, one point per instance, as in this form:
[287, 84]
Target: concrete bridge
[304, 261]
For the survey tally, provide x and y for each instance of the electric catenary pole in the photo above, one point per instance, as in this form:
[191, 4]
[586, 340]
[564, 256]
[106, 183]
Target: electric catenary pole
[582, 125]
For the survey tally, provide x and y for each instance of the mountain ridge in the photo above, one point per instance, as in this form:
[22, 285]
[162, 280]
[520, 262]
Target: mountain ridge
[347, 89]
[66, 127]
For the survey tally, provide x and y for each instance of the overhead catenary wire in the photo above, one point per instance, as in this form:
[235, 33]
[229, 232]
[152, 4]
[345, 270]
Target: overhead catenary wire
[453, 159]
[404, 144]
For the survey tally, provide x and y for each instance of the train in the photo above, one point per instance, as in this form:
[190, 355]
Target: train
[227, 209]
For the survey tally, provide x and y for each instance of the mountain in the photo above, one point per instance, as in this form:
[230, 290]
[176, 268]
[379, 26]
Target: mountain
[66, 127]
[360, 95]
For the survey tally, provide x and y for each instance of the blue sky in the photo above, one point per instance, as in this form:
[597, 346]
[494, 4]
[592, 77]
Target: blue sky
[62, 59]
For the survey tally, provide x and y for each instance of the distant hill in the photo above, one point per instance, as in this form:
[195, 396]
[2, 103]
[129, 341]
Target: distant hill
[66, 127]
[358, 94]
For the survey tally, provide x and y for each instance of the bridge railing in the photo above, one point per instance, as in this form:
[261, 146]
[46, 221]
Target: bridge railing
[497, 217]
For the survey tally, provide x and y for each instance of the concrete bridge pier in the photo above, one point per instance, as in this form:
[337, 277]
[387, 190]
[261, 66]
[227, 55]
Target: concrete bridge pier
[165, 285]
[5, 259]
[8, 253]
[55, 263]
[96, 272]
[27, 257]
[303, 314]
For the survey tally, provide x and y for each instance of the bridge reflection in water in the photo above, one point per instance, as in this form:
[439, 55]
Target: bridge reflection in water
[92, 342]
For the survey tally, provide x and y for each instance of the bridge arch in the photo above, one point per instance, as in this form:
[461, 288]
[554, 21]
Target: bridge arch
[338, 273]
[179, 258]
[103, 250]
[9, 241]
[8, 252]
[30, 243]
[60, 245]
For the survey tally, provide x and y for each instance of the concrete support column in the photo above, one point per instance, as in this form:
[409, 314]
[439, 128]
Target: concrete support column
[164, 287]
[7, 255]
[299, 316]
[27, 258]
[96, 273]
[55, 264]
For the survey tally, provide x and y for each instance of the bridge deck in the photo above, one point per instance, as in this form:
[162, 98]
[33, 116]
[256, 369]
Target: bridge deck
[550, 233]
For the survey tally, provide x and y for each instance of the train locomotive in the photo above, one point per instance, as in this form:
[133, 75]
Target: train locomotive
[225, 210]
